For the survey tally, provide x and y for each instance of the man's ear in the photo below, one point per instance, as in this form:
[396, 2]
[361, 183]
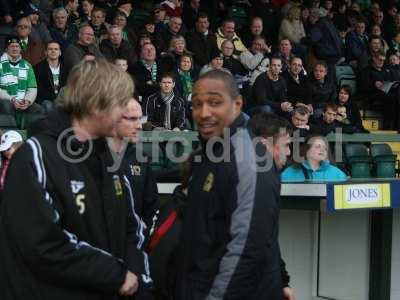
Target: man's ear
[238, 103]
[268, 143]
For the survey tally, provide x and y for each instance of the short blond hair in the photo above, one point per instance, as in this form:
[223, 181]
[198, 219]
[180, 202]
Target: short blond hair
[96, 86]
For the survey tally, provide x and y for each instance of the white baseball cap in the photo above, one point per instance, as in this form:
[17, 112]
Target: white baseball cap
[8, 139]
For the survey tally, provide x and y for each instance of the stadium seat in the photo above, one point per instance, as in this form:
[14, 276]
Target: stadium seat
[7, 121]
[239, 15]
[345, 75]
[24, 119]
[384, 161]
[358, 160]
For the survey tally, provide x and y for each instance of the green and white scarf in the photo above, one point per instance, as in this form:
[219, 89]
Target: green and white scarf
[187, 83]
[152, 69]
[14, 78]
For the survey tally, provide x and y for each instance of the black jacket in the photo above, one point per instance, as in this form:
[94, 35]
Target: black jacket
[142, 77]
[45, 83]
[297, 91]
[230, 229]
[319, 126]
[202, 47]
[123, 51]
[321, 93]
[268, 92]
[70, 232]
[143, 183]
[154, 109]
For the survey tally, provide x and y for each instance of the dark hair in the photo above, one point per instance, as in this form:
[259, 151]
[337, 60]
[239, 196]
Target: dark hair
[330, 105]
[228, 20]
[96, 8]
[360, 19]
[269, 125]
[52, 42]
[293, 58]
[167, 75]
[321, 63]
[90, 1]
[347, 89]
[201, 15]
[228, 80]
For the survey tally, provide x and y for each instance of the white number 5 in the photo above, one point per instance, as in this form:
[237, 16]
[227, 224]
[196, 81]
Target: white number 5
[80, 203]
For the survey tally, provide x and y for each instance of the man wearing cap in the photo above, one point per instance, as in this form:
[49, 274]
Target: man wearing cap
[18, 87]
[9, 143]
[32, 50]
[39, 30]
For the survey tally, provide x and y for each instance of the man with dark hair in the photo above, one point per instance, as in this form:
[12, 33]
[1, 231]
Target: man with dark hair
[201, 42]
[270, 90]
[165, 109]
[321, 87]
[51, 76]
[357, 45]
[299, 119]
[238, 255]
[97, 21]
[328, 123]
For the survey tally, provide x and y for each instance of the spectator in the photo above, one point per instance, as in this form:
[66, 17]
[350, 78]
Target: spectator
[376, 45]
[160, 18]
[147, 71]
[340, 16]
[173, 8]
[394, 65]
[170, 59]
[39, 29]
[121, 63]
[296, 82]
[285, 53]
[328, 123]
[156, 38]
[173, 29]
[216, 63]
[164, 109]
[201, 42]
[376, 82]
[316, 165]
[75, 52]
[270, 91]
[60, 32]
[114, 46]
[395, 42]
[190, 13]
[325, 39]
[125, 6]
[292, 27]
[271, 18]
[357, 45]
[227, 32]
[377, 19]
[18, 87]
[128, 34]
[51, 76]
[32, 51]
[97, 21]
[87, 9]
[299, 118]
[186, 76]
[376, 30]
[10, 141]
[322, 89]
[71, 6]
[230, 62]
[351, 109]
[256, 30]
[256, 60]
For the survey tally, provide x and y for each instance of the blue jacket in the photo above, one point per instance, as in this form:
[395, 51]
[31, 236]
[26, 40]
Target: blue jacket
[326, 172]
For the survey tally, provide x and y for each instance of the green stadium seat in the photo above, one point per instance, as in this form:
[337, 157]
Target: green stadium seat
[358, 160]
[239, 15]
[384, 161]
[24, 119]
[7, 121]
[345, 75]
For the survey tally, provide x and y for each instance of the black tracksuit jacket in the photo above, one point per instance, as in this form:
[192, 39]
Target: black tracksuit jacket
[230, 230]
[67, 229]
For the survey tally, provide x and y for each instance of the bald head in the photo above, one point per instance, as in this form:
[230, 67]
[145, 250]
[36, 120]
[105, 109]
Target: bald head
[131, 122]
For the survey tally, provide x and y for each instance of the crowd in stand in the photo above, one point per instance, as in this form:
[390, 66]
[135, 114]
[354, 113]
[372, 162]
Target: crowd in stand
[282, 54]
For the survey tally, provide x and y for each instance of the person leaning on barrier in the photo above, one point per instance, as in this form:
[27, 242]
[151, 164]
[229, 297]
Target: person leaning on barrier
[229, 243]
[125, 150]
[70, 232]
